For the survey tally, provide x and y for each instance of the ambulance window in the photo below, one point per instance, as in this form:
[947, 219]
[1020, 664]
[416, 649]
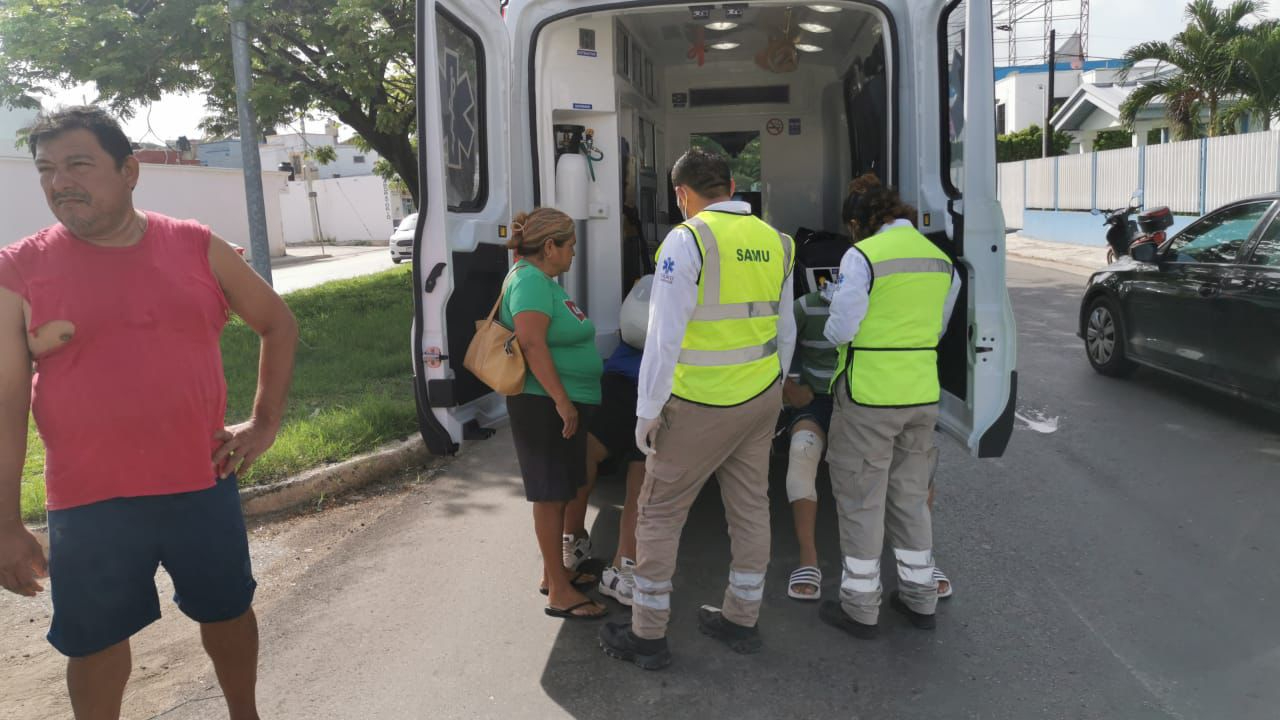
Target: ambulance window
[461, 63]
[952, 32]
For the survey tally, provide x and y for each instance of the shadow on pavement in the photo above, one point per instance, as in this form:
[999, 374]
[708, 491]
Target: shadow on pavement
[806, 669]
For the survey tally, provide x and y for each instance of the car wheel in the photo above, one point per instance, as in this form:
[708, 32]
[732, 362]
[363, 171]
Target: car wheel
[1104, 340]
[397, 260]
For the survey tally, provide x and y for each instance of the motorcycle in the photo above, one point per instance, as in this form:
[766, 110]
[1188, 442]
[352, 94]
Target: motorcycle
[1140, 239]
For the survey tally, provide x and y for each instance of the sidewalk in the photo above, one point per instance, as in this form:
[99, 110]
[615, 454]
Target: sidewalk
[300, 254]
[1076, 259]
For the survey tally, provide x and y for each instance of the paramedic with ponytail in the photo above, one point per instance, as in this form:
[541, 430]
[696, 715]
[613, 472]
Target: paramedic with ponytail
[894, 300]
[561, 389]
[709, 397]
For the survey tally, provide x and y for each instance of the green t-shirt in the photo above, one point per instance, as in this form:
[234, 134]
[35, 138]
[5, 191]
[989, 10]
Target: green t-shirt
[571, 336]
[815, 357]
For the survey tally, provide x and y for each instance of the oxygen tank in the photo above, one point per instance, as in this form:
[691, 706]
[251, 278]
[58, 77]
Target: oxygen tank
[572, 198]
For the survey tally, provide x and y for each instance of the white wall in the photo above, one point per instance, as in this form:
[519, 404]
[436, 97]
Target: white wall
[1024, 102]
[352, 209]
[794, 167]
[213, 196]
[280, 148]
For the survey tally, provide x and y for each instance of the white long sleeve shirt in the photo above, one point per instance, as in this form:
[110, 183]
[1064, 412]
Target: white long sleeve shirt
[849, 306]
[671, 306]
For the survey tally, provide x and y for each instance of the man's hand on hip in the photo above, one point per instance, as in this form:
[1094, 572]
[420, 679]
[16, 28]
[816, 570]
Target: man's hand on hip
[22, 561]
[241, 445]
[646, 433]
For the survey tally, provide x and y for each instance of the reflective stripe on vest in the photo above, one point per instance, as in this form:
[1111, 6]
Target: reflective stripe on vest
[893, 361]
[730, 349]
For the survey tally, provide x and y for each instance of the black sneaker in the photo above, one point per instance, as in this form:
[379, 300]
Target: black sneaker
[617, 641]
[834, 615]
[740, 638]
[920, 620]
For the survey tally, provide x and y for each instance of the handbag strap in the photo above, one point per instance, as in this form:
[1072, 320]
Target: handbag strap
[501, 293]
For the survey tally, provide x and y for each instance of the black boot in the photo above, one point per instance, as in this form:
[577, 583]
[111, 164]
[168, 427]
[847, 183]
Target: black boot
[617, 641]
[920, 620]
[831, 613]
[740, 638]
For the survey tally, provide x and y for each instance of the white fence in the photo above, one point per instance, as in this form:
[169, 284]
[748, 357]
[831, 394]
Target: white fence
[1119, 173]
[1013, 187]
[1190, 177]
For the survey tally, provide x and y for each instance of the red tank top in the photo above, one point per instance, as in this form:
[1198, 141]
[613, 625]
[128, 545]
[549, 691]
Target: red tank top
[129, 406]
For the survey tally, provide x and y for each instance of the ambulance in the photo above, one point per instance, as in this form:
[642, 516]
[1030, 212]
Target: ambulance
[584, 105]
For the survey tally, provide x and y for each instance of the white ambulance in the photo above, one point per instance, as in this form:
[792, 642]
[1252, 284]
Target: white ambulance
[803, 96]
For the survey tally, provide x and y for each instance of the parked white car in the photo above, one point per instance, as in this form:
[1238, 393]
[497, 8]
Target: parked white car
[401, 240]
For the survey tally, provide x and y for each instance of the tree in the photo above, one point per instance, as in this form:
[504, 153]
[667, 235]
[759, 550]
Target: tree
[1258, 78]
[1028, 144]
[1205, 68]
[1112, 140]
[352, 58]
[323, 154]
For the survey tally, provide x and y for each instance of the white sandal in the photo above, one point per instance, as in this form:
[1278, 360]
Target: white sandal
[941, 578]
[805, 575]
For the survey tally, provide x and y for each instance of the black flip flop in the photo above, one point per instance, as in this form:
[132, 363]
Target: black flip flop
[578, 583]
[569, 614]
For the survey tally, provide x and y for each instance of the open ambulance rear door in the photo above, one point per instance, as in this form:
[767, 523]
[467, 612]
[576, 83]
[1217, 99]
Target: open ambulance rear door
[459, 258]
[978, 356]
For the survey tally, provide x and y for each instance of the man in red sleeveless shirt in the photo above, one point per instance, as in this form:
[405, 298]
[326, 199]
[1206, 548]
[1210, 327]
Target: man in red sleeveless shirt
[109, 334]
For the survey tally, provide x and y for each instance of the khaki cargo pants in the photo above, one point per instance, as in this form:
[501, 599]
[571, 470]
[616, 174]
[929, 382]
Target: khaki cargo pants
[694, 441]
[882, 463]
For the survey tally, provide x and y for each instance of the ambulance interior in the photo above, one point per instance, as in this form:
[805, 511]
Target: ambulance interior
[798, 97]
[769, 87]
[801, 97]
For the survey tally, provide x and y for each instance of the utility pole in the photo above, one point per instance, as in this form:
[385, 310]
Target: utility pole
[252, 161]
[316, 237]
[1047, 148]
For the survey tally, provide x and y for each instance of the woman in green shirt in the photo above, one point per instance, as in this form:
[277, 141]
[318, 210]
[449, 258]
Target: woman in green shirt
[561, 389]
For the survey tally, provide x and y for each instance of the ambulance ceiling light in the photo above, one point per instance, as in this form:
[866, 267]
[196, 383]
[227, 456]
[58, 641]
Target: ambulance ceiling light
[805, 47]
[825, 8]
[814, 27]
[724, 45]
[722, 25]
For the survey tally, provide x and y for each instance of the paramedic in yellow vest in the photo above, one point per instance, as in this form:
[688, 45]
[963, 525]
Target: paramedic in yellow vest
[895, 296]
[720, 332]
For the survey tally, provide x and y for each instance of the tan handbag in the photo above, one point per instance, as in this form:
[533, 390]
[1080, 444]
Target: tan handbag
[494, 354]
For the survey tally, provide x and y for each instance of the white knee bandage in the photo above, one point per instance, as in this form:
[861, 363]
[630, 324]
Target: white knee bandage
[802, 470]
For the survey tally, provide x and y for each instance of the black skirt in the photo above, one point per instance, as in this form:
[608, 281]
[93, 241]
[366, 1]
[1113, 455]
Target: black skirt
[553, 468]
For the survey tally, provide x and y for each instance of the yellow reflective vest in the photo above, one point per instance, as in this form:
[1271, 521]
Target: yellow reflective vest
[893, 361]
[730, 349]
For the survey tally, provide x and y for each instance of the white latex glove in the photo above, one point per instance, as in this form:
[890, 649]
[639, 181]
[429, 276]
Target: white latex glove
[646, 431]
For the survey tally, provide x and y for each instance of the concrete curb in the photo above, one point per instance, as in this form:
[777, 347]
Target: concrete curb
[348, 475]
[334, 479]
[1074, 259]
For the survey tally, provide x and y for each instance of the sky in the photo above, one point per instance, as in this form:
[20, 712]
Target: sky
[1115, 26]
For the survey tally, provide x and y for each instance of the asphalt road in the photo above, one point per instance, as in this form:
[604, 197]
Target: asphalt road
[1118, 562]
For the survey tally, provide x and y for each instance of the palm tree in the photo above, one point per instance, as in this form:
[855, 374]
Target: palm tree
[1258, 54]
[1206, 68]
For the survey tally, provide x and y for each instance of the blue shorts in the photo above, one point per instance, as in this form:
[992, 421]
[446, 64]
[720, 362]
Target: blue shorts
[819, 411]
[103, 559]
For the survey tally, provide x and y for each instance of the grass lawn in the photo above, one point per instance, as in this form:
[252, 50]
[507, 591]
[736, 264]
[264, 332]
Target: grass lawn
[352, 385]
